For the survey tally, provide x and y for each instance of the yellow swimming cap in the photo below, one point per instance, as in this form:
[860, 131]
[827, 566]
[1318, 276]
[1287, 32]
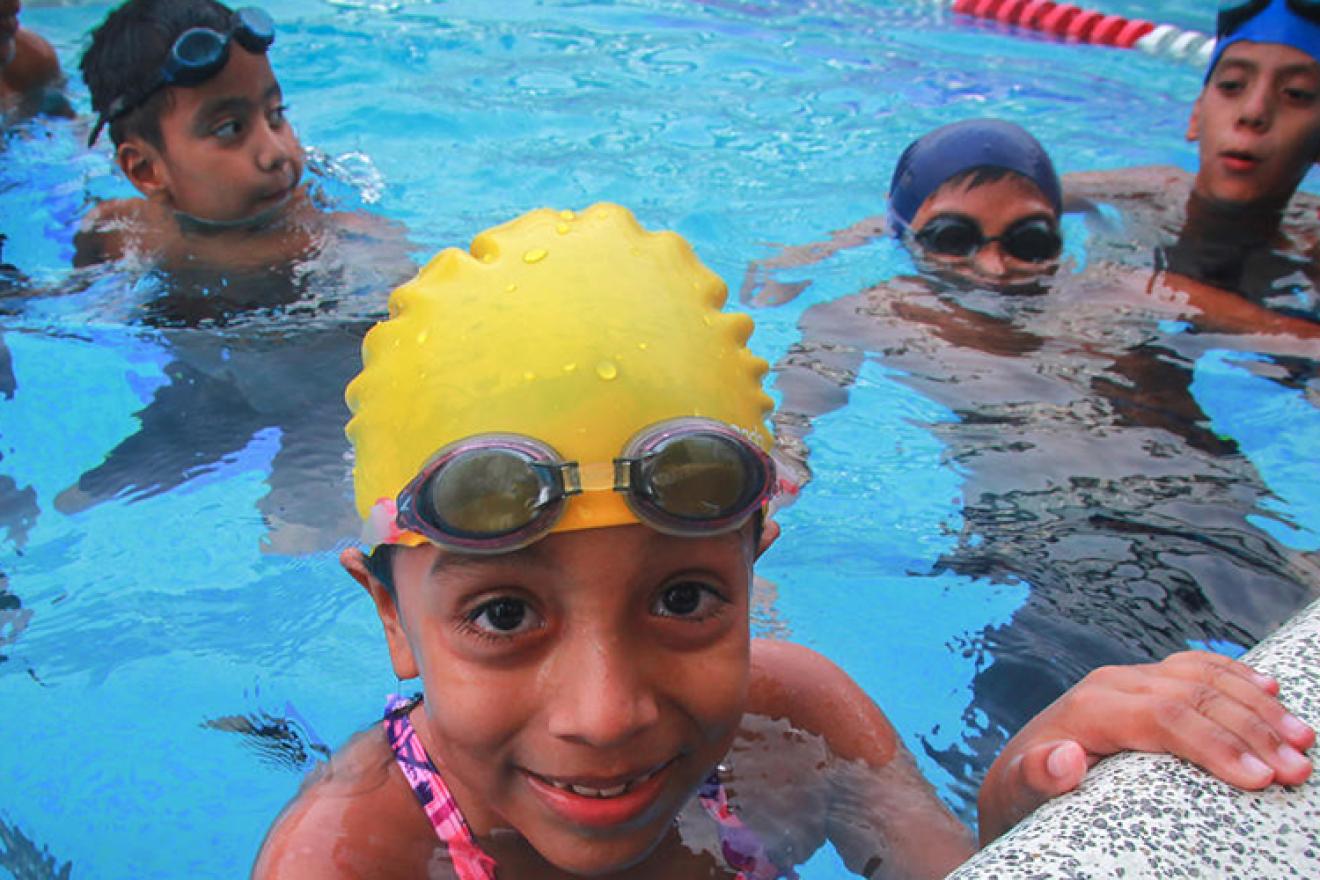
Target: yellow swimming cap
[577, 329]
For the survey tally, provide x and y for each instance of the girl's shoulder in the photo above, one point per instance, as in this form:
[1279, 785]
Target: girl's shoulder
[812, 694]
[354, 817]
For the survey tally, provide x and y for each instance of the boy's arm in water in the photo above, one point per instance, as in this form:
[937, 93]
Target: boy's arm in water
[109, 231]
[1087, 187]
[760, 290]
[884, 819]
[1228, 312]
[1210, 710]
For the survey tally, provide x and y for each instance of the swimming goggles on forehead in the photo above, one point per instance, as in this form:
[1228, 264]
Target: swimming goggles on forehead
[1235, 13]
[1030, 240]
[197, 55]
[494, 493]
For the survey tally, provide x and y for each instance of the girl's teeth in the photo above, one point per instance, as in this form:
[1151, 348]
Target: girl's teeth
[583, 791]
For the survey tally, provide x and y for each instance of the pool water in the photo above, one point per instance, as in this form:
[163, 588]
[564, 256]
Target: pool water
[179, 646]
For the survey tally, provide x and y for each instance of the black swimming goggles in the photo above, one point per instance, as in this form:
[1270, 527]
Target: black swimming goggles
[494, 493]
[1235, 13]
[1030, 240]
[197, 55]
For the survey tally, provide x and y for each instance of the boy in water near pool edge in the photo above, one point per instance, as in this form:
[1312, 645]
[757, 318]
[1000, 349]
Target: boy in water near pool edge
[30, 77]
[197, 119]
[562, 463]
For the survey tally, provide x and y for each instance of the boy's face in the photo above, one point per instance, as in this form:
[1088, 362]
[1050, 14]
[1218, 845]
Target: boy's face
[229, 154]
[580, 689]
[9, 10]
[996, 208]
[1258, 123]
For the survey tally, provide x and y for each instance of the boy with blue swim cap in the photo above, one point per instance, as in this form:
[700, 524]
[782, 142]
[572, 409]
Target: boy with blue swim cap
[1239, 224]
[1258, 116]
[976, 201]
[979, 198]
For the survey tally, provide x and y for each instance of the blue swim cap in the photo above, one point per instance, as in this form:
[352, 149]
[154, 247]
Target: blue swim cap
[1276, 23]
[950, 150]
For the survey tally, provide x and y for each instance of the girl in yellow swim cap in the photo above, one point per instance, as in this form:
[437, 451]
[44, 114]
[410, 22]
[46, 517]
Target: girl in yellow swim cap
[562, 464]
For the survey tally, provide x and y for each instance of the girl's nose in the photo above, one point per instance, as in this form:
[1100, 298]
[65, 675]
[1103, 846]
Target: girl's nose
[602, 694]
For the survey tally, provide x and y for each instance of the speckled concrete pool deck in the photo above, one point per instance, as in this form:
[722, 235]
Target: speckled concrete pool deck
[1154, 816]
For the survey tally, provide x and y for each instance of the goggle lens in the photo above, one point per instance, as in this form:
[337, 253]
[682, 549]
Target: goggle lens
[1036, 241]
[697, 478]
[951, 237]
[486, 493]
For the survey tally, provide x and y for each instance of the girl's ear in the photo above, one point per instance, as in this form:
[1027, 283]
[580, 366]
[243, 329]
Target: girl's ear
[769, 534]
[387, 608]
[1194, 123]
[142, 165]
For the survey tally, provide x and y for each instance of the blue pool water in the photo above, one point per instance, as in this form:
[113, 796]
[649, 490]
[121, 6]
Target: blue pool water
[175, 655]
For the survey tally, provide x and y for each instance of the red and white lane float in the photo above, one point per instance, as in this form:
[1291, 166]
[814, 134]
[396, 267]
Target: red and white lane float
[1076, 24]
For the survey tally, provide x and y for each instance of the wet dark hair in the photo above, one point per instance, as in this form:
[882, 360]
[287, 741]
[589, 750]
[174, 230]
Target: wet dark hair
[982, 175]
[127, 52]
[380, 561]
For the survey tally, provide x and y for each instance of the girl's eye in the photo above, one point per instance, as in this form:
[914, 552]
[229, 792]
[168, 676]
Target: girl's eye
[226, 130]
[689, 599]
[1229, 86]
[503, 616]
[276, 117]
[1301, 96]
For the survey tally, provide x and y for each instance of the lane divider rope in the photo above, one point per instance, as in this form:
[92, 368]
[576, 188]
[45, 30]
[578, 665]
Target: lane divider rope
[1066, 21]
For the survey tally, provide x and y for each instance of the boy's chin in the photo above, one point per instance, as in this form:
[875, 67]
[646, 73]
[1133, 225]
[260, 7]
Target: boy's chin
[266, 215]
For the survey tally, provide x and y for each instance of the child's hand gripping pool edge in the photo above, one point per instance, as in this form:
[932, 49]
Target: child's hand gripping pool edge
[1215, 712]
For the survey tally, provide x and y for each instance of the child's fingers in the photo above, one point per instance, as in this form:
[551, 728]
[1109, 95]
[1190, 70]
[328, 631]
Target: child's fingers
[1223, 687]
[1208, 709]
[1227, 738]
[1042, 772]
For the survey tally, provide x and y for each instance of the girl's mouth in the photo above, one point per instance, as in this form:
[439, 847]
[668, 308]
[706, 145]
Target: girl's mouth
[603, 802]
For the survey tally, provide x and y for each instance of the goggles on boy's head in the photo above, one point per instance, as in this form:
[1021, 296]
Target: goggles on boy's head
[1030, 240]
[197, 55]
[494, 493]
[1294, 23]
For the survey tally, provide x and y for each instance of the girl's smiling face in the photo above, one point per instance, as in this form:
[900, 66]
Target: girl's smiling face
[577, 690]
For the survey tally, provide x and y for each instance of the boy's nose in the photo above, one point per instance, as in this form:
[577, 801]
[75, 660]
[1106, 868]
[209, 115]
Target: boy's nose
[274, 148]
[601, 693]
[989, 261]
[1256, 107]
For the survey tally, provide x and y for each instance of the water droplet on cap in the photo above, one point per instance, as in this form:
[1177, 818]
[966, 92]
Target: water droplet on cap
[607, 370]
[535, 255]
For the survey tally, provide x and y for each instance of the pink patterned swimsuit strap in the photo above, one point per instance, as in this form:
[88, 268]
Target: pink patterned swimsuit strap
[470, 862]
[742, 847]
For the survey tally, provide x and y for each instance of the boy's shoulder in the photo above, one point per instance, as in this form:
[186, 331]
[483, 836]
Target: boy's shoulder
[35, 64]
[354, 817]
[113, 229]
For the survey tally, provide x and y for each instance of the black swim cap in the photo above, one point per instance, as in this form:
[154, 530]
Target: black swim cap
[949, 150]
